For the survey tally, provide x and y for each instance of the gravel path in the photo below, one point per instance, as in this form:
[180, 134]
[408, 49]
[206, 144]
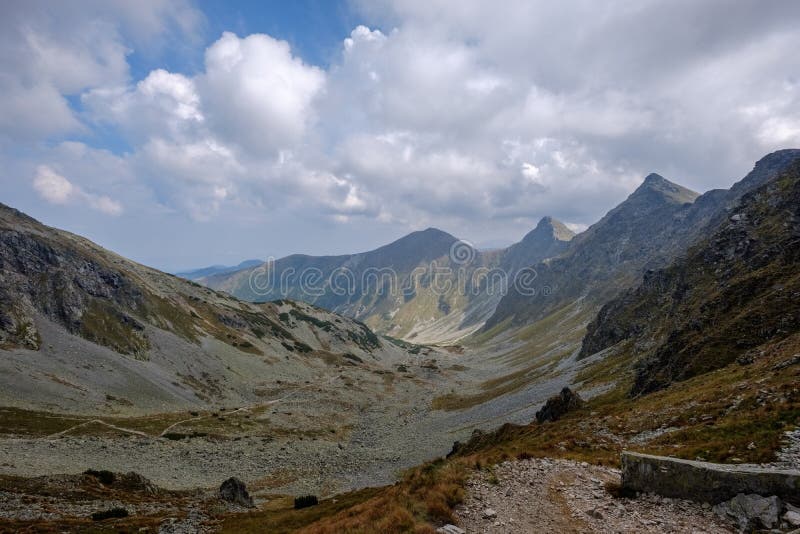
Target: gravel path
[545, 495]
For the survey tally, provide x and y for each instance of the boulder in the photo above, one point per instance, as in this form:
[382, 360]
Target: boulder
[135, 482]
[457, 446]
[557, 406]
[751, 512]
[450, 529]
[792, 519]
[234, 491]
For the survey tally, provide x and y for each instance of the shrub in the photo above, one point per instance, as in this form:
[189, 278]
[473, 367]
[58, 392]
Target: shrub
[305, 501]
[105, 477]
[110, 514]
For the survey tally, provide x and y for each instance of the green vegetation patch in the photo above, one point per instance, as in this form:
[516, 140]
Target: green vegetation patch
[101, 323]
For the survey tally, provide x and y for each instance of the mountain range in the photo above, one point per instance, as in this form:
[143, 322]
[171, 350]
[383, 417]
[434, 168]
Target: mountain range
[393, 289]
[197, 274]
[426, 287]
[653, 226]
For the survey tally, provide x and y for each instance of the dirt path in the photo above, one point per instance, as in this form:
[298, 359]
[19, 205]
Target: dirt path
[164, 432]
[98, 422]
[560, 496]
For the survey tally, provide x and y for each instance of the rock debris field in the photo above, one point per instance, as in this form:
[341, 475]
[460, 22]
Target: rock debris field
[562, 496]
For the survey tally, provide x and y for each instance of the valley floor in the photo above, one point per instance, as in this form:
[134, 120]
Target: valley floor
[355, 429]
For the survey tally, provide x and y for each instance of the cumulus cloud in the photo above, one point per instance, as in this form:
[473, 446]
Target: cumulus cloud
[52, 50]
[53, 187]
[478, 118]
[164, 105]
[257, 94]
[56, 189]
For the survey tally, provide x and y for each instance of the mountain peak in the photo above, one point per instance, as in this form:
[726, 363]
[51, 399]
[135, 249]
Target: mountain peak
[431, 231]
[428, 235]
[655, 185]
[553, 227]
[425, 244]
[655, 179]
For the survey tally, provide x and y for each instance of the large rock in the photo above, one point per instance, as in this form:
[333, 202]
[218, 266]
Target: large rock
[557, 406]
[234, 491]
[704, 481]
[135, 482]
[450, 529]
[792, 516]
[751, 512]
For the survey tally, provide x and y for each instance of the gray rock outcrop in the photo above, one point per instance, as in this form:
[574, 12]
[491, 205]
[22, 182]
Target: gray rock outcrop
[234, 491]
[557, 406]
[752, 511]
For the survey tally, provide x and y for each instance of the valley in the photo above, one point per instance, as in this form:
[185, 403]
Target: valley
[672, 320]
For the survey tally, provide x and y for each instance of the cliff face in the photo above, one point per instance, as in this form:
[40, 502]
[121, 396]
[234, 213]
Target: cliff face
[731, 292]
[38, 273]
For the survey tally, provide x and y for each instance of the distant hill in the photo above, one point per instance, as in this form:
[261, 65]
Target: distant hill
[197, 274]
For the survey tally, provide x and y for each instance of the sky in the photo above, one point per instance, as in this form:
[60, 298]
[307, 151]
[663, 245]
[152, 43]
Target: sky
[184, 134]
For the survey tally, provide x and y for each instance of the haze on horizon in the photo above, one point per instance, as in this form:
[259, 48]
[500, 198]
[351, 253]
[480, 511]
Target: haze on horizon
[185, 134]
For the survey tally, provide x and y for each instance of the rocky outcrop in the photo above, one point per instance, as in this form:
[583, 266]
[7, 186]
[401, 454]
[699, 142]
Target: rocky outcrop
[751, 512]
[555, 407]
[729, 294]
[703, 481]
[234, 491]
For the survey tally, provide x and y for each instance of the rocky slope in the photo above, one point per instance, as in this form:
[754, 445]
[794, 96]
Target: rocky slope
[80, 325]
[649, 229]
[732, 292]
[426, 287]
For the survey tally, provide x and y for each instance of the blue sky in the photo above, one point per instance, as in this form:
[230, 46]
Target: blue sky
[185, 133]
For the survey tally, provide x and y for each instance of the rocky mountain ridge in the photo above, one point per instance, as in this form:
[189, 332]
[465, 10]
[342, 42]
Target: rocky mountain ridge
[655, 224]
[428, 286]
[732, 292]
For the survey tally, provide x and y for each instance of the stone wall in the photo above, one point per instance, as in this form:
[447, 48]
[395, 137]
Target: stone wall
[703, 481]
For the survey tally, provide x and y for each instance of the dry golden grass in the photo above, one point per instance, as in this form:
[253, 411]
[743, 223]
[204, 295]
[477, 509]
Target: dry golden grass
[737, 413]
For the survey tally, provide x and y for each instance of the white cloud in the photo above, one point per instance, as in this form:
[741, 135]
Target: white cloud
[483, 118]
[164, 105]
[105, 204]
[52, 50]
[530, 171]
[256, 93]
[53, 187]
[56, 189]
